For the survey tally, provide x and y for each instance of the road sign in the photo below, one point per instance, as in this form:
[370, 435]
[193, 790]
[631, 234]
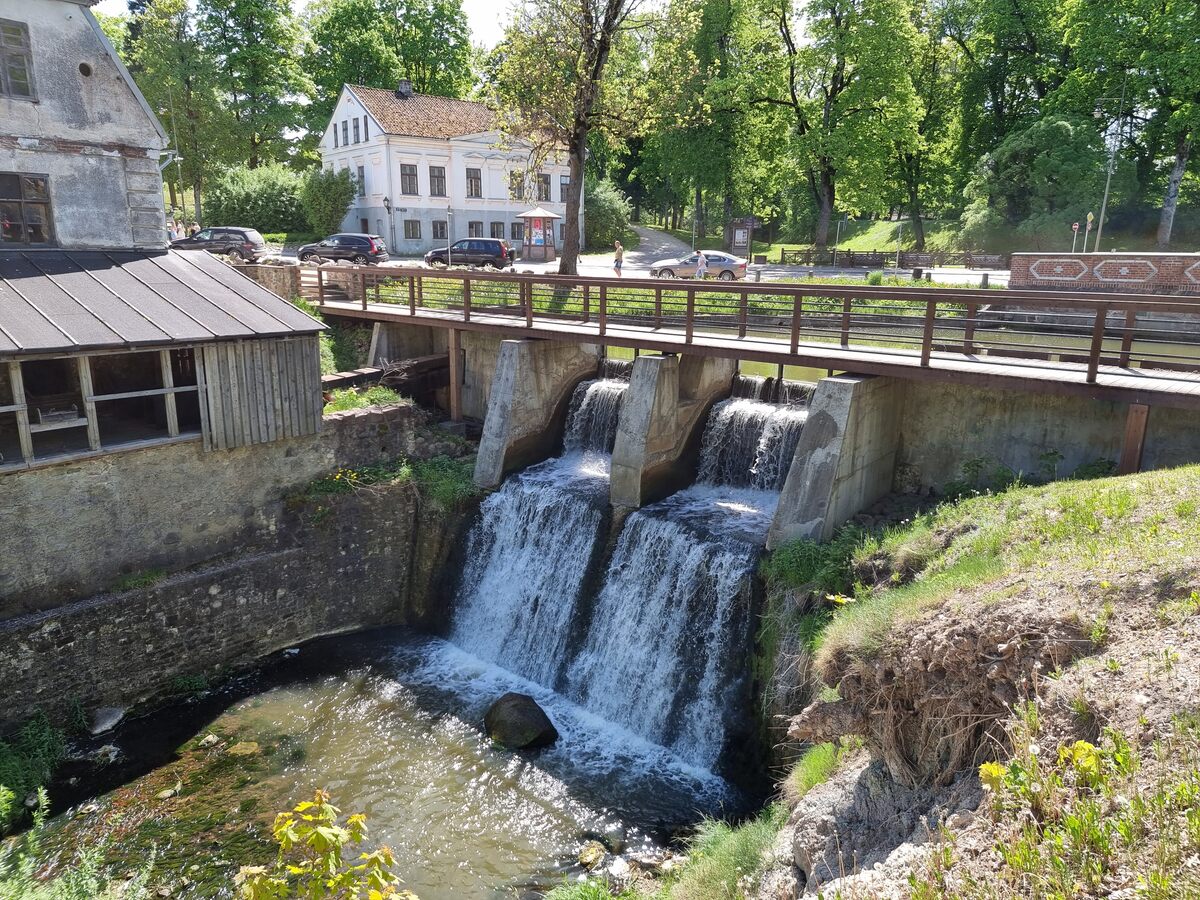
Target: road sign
[1075, 227]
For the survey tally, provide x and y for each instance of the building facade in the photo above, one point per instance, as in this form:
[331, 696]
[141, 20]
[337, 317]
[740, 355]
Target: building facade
[432, 170]
[79, 147]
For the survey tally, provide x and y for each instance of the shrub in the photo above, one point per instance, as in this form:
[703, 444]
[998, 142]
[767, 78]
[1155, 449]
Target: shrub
[808, 564]
[606, 214]
[353, 398]
[875, 278]
[326, 196]
[27, 761]
[266, 198]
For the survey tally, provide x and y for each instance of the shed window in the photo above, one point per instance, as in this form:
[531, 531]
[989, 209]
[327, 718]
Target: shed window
[408, 179]
[16, 61]
[474, 183]
[24, 209]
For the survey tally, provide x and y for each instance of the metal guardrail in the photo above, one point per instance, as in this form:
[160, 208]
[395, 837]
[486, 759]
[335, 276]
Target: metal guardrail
[888, 259]
[1126, 330]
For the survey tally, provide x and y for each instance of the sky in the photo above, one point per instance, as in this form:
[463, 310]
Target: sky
[486, 17]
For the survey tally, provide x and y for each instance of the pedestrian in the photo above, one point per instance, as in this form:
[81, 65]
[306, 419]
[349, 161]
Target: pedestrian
[193, 229]
[701, 265]
[620, 258]
[172, 234]
[180, 231]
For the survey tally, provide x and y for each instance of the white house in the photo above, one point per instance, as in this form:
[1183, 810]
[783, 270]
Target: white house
[432, 170]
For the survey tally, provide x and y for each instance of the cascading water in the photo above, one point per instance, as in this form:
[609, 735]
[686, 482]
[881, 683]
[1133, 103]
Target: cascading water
[529, 554]
[771, 390]
[665, 653]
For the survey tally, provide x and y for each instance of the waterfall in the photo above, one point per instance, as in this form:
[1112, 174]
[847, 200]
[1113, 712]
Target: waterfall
[529, 553]
[771, 390]
[750, 444]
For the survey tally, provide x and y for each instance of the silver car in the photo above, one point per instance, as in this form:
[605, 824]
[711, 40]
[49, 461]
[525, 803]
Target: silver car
[720, 265]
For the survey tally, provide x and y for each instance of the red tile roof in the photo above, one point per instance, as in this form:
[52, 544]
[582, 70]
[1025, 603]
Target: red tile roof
[424, 115]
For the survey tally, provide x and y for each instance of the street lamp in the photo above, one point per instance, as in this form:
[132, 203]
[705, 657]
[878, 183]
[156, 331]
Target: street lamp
[1112, 162]
[449, 234]
[837, 237]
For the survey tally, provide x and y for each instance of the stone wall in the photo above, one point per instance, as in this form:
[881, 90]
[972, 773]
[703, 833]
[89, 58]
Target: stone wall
[338, 563]
[1137, 273]
[282, 280]
[75, 529]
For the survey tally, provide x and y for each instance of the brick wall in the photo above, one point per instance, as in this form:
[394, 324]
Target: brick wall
[1136, 273]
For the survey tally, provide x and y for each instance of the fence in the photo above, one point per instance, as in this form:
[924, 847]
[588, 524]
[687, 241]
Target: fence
[1093, 330]
[887, 259]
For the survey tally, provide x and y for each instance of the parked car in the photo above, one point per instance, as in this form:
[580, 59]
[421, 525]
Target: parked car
[245, 243]
[360, 249]
[720, 265]
[473, 252]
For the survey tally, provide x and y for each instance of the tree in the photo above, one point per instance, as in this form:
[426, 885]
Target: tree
[326, 196]
[116, 29]
[607, 213]
[257, 46]
[846, 83]
[553, 80]
[378, 42]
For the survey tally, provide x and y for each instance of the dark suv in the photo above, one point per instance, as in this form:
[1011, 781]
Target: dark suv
[473, 252]
[360, 249]
[245, 243]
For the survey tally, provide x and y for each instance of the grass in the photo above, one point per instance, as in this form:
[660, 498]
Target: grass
[630, 240]
[137, 580]
[815, 767]
[855, 235]
[27, 760]
[445, 481]
[724, 859]
[343, 347]
[344, 399]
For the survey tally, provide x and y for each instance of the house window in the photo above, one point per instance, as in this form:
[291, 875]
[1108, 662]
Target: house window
[518, 232]
[412, 229]
[440, 233]
[474, 183]
[335, 140]
[564, 185]
[543, 187]
[408, 179]
[366, 133]
[562, 234]
[362, 181]
[24, 209]
[16, 61]
[516, 185]
[437, 181]
[498, 230]
[357, 136]
[345, 133]
[474, 229]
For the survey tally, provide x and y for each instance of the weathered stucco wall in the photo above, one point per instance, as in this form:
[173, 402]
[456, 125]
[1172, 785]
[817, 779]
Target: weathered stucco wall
[74, 529]
[89, 132]
[341, 563]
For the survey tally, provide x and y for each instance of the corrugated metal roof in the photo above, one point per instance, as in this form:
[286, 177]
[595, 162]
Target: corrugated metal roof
[63, 300]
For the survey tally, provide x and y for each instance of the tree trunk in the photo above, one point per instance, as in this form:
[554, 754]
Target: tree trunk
[727, 215]
[196, 203]
[174, 202]
[698, 214]
[568, 263]
[914, 212]
[1183, 150]
[825, 198]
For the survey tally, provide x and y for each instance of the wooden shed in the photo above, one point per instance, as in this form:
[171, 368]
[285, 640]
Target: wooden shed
[111, 350]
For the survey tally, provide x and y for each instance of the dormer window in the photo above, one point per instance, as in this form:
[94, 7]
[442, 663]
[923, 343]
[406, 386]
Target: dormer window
[16, 61]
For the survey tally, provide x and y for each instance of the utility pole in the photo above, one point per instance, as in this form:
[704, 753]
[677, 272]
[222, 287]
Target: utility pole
[1112, 163]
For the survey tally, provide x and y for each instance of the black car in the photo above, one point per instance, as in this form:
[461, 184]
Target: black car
[245, 243]
[360, 249]
[473, 252]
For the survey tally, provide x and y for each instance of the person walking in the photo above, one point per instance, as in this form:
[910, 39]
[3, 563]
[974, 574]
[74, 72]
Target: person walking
[620, 257]
[701, 265]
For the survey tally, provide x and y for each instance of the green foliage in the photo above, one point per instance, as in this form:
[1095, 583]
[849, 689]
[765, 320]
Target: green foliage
[874, 278]
[1099, 468]
[291, 237]
[266, 198]
[378, 42]
[27, 760]
[825, 567]
[343, 399]
[724, 858]
[606, 214]
[592, 889]
[345, 481]
[815, 767]
[326, 196]
[312, 860]
[136, 580]
[349, 345]
[446, 481]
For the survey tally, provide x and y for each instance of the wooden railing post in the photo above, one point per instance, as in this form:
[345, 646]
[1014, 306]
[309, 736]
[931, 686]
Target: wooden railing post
[466, 299]
[527, 293]
[362, 287]
[1097, 344]
[587, 304]
[602, 316]
[797, 311]
[412, 295]
[1127, 337]
[658, 307]
[969, 329]
[743, 314]
[320, 287]
[690, 315]
[846, 321]
[927, 333]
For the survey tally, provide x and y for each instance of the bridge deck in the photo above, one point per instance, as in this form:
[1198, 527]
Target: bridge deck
[1126, 384]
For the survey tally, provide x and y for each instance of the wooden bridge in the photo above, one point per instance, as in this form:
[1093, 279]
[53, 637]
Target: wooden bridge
[1139, 349]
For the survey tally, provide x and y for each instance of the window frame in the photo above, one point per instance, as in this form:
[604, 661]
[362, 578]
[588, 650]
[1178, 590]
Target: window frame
[475, 229]
[517, 232]
[564, 185]
[441, 230]
[360, 176]
[544, 188]
[516, 185]
[366, 129]
[437, 183]
[475, 184]
[407, 171]
[496, 229]
[345, 133]
[22, 203]
[10, 52]
[412, 233]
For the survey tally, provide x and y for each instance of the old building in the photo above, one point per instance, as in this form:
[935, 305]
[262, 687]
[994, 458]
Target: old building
[432, 170]
[109, 341]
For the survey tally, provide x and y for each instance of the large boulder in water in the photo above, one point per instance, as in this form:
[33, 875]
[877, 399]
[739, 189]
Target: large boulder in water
[516, 721]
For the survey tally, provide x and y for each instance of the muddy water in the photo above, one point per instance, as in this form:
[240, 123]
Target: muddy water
[396, 735]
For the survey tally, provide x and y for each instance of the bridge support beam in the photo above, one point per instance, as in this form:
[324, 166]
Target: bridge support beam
[528, 402]
[845, 459]
[662, 415]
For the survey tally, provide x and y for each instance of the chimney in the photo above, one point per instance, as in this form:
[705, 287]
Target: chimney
[404, 88]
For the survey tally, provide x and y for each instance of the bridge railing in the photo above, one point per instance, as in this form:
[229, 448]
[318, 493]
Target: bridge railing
[1091, 330]
[891, 259]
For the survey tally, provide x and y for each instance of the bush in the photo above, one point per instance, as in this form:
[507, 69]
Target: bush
[326, 196]
[606, 214]
[826, 567]
[266, 198]
[27, 761]
[353, 398]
